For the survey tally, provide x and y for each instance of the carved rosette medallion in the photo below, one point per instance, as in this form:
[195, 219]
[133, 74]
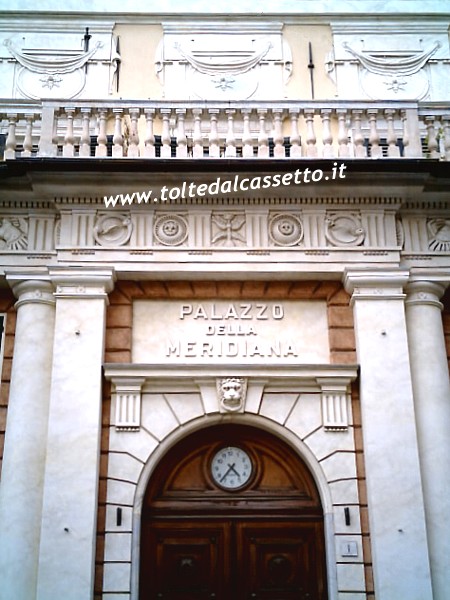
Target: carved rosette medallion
[170, 230]
[286, 230]
[112, 230]
[344, 230]
[231, 392]
[439, 235]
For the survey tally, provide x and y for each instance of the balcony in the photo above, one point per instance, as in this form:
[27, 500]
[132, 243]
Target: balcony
[251, 129]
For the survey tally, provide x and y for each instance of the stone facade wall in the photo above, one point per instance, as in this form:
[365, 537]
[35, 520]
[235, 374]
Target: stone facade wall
[118, 350]
[6, 306]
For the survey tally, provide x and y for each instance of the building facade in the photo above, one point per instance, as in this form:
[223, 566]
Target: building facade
[224, 270]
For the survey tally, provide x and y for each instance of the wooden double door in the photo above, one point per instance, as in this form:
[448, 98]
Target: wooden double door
[234, 560]
[262, 541]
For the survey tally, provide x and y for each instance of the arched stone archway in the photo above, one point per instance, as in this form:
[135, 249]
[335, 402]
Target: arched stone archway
[232, 511]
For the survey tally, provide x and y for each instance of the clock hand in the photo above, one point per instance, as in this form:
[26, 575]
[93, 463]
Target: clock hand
[226, 474]
[233, 469]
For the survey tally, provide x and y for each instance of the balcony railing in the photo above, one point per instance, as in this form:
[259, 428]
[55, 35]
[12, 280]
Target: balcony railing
[250, 129]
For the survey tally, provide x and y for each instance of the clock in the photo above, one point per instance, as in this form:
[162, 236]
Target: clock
[231, 468]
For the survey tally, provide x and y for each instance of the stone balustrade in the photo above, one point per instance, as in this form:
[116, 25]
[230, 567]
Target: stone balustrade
[282, 129]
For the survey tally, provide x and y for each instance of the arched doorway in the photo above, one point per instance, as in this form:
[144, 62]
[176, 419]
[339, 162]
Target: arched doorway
[232, 513]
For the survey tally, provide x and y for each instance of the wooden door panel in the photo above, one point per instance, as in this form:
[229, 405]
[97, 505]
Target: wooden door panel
[186, 562]
[280, 561]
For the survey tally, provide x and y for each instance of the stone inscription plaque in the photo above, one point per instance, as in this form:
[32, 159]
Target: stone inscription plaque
[222, 331]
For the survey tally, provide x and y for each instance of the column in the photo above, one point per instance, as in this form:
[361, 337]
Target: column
[68, 536]
[394, 487]
[26, 433]
[431, 387]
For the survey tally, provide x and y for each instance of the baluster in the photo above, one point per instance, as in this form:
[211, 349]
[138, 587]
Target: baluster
[230, 140]
[85, 140]
[214, 147]
[311, 147]
[393, 149]
[10, 144]
[28, 140]
[296, 149]
[327, 137]
[432, 138]
[358, 138]
[149, 148]
[247, 141]
[404, 116]
[197, 139]
[101, 149]
[117, 149]
[263, 138]
[278, 151]
[446, 135]
[166, 151]
[374, 138]
[133, 147]
[69, 140]
[344, 150]
[181, 135]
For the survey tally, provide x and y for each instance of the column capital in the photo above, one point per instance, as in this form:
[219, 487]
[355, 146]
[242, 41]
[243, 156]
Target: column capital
[427, 286]
[425, 292]
[386, 284]
[31, 287]
[90, 283]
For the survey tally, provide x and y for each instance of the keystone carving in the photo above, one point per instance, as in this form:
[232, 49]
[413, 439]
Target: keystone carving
[231, 392]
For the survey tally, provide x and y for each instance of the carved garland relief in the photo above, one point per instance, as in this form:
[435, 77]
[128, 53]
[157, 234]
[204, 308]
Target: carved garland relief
[399, 74]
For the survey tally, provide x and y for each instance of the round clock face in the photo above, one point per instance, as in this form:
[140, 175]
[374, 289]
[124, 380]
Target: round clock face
[231, 468]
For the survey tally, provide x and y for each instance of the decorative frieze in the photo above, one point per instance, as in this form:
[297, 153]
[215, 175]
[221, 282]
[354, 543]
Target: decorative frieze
[310, 229]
